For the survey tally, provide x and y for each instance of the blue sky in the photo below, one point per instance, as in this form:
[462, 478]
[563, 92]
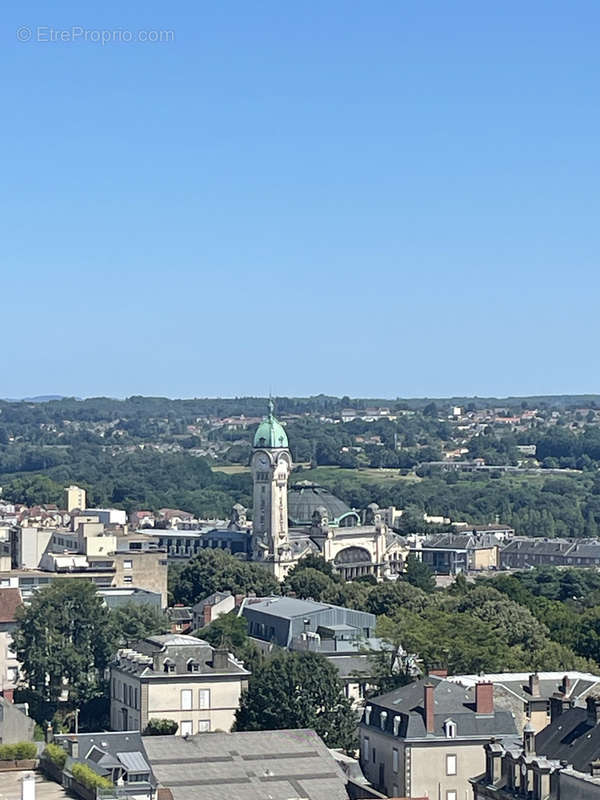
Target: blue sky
[365, 198]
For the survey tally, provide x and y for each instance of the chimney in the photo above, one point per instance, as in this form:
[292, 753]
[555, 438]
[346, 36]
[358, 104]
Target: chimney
[73, 745]
[207, 614]
[9, 695]
[534, 685]
[593, 709]
[484, 698]
[558, 704]
[529, 739]
[566, 685]
[220, 659]
[428, 705]
[49, 733]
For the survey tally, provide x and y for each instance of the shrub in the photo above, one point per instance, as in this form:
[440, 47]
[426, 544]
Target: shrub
[88, 778]
[161, 727]
[55, 754]
[7, 752]
[25, 750]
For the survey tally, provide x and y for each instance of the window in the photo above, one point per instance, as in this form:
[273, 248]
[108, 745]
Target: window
[451, 795]
[395, 760]
[204, 726]
[382, 720]
[204, 699]
[127, 564]
[187, 729]
[451, 764]
[127, 579]
[374, 755]
[365, 749]
[186, 700]
[450, 729]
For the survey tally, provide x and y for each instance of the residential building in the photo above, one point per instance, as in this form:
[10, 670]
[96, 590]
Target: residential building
[125, 596]
[180, 619]
[528, 696]
[76, 498]
[251, 765]
[119, 757]
[10, 601]
[213, 606]
[561, 763]
[523, 552]
[175, 677]
[451, 553]
[426, 739]
[15, 724]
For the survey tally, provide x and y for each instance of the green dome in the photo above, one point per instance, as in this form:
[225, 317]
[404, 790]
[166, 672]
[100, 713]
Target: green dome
[270, 432]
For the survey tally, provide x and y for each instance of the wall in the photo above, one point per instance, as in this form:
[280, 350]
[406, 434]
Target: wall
[32, 544]
[148, 571]
[164, 700]
[428, 768]
[485, 557]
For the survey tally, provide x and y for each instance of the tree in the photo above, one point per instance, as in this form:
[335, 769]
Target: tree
[134, 621]
[298, 690]
[215, 570]
[309, 583]
[161, 727]
[228, 630]
[419, 574]
[64, 640]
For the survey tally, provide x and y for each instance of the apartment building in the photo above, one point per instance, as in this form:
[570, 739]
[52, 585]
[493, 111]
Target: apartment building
[175, 677]
[426, 739]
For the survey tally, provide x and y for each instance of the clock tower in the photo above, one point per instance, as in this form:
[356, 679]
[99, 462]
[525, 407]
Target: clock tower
[271, 467]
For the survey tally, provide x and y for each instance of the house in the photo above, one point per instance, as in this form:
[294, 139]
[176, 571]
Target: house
[15, 724]
[207, 610]
[529, 696]
[180, 619]
[120, 757]
[451, 553]
[426, 738]
[561, 763]
[175, 677]
[252, 765]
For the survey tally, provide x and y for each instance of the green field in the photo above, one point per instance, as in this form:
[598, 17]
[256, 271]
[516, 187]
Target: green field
[326, 475]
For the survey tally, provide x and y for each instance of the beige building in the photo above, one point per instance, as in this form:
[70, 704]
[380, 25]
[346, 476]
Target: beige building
[175, 677]
[426, 739]
[76, 498]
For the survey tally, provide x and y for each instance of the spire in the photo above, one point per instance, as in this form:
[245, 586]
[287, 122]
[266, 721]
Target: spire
[271, 407]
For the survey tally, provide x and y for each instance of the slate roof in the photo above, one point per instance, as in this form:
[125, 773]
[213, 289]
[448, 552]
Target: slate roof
[140, 658]
[104, 751]
[246, 766]
[517, 683]
[450, 702]
[570, 738]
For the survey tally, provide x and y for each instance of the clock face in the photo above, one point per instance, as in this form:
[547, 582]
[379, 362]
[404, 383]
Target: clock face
[262, 460]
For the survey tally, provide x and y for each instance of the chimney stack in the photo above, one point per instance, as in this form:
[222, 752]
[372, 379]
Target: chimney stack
[73, 745]
[534, 685]
[558, 704]
[484, 698]
[220, 659]
[529, 739]
[566, 685]
[593, 709]
[207, 614]
[428, 705]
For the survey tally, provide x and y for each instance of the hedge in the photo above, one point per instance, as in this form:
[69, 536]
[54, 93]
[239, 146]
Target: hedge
[55, 754]
[20, 751]
[88, 778]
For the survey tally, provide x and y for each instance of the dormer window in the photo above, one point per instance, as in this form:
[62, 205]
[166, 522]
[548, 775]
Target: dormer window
[368, 710]
[193, 666]
[397, 719]
[168, 665]
[382, 720]
[450, 729]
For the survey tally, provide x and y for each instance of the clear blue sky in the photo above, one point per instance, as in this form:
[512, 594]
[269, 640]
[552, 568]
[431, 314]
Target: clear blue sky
[378, 198]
